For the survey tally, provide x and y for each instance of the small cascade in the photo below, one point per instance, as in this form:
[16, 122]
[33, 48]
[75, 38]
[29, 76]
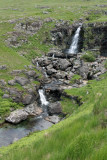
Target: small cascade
[53, 56]
[43, 98]
[37, 64]
[74, 46]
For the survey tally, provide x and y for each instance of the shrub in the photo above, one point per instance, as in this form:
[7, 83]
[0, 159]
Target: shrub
[88, 57]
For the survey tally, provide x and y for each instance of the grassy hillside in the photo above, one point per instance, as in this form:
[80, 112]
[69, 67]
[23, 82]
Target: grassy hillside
[83, 135]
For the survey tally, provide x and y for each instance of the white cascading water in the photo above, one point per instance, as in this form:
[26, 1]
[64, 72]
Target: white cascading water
[37, 64]
[43, 98]
[53, 56]
[74, 46]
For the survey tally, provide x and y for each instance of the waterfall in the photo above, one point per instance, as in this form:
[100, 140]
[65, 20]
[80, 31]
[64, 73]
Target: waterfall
[37, 64]
[53, 56]
[74, 46]
[43, 98]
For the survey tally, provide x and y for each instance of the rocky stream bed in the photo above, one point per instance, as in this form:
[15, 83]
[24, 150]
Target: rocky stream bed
[42, 107]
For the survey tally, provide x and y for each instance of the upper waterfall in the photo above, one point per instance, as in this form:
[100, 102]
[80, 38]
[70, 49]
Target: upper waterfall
[74, 46]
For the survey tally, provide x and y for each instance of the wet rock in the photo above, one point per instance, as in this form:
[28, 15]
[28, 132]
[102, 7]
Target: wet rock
[17, 116]
[33, 110]
[53, 119]
[22, 81]
[55, 108]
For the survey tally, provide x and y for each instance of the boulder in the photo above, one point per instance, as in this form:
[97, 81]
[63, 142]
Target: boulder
[31, 74]
[2, 82]
[15, 95]
[22, 80]
[3, 67]
[53, 119]
[60, 75]
[63, 64]
[51, 71]
[11, 82]
[6, 96]
[55, 108]
[27, 99]
[83, 71]
[76, 64]
[17, 116]
[33, 109]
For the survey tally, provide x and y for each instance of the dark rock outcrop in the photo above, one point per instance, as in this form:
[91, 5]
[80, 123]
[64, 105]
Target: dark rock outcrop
[95, 37]
[55, 108]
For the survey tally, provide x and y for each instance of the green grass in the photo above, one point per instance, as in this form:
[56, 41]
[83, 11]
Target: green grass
[6, 105]
[81, 136]
[36, 45]
[75, 78]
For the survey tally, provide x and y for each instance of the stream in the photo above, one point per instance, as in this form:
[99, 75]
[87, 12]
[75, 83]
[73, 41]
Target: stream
[10, 133]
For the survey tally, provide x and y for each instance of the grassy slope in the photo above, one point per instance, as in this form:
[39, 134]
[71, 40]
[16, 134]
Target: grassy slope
[82, 135]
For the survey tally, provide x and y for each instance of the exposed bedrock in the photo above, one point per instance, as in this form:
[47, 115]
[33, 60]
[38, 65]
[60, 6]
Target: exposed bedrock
[95, 37]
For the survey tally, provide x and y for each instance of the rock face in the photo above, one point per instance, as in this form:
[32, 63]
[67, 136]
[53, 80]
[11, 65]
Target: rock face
[17, 116]
[22, 114]
[55, 108]
[95, 37]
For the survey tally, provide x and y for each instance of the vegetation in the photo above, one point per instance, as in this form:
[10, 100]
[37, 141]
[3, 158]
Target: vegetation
[75, 78]
[106, 64]
[88, 57]
[6, 105]
[81, 136]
